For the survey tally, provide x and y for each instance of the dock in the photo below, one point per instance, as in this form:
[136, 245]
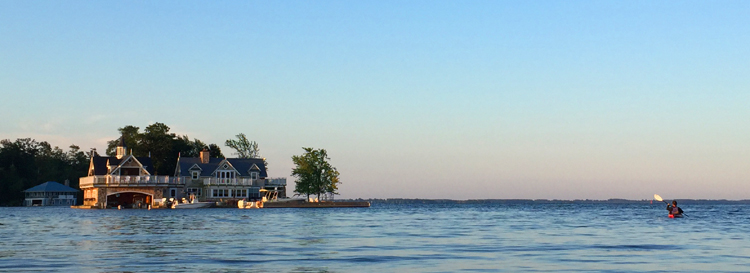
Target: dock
[361, 204]
[83, 207]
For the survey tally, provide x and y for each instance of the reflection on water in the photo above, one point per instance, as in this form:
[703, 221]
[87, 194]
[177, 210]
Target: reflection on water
[383, 238]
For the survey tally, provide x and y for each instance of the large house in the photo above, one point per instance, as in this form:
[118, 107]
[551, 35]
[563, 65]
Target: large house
[50, 194]
[123, 180]
[225, 179]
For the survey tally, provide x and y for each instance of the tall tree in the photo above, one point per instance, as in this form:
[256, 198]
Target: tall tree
[244, 147]
[162, 146]
[133, 140]
[215, 151]
[315, 175]
[157, 140]
[182, 146]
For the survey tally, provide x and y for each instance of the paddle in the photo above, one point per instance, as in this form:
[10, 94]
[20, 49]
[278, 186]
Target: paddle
[658, 198]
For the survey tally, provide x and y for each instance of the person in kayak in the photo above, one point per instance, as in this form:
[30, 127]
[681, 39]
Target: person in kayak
[674, 209]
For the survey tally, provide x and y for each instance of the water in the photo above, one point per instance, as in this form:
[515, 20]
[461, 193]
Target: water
[452, 237]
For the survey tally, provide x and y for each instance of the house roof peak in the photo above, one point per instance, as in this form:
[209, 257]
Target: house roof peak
[122, 141]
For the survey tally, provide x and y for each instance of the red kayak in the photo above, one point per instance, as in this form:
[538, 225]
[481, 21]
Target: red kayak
[675, 216]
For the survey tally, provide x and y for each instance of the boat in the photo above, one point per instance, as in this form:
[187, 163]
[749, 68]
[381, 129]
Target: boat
[185, 204]
[273, 196]
[675, 216]
[249, 204]
[288, 199]
[268, 196]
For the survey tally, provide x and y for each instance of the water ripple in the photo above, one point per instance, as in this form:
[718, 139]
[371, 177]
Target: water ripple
[425, 237]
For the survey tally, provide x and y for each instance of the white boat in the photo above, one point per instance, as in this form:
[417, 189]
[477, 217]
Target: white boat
[191, 204]
[287, 199]
[273, 196]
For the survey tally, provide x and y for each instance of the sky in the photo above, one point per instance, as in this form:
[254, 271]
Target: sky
[411, 99]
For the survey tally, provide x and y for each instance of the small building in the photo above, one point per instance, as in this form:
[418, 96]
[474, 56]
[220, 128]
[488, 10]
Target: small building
[50, 194]
[229, 179]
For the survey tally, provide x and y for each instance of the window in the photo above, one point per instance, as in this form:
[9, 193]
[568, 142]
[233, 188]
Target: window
[172, 192]
[221, 193]
[255, 192]
[195, 191]
[241, 193]
[225, 174]
[196, 174]
[254, 175]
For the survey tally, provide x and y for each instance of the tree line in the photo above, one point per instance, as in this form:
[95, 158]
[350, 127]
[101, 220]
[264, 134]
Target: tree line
[162, 146]
[25, 163]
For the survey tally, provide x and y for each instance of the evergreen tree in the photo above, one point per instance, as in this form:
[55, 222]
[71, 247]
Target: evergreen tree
[25, 163]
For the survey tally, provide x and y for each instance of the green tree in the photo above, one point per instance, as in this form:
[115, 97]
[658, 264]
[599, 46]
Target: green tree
[315, 175]
[162, 146]
[133, 140]
[157, 140]
[244, 147]
[215, 151]
[182, 146]
[25, 163]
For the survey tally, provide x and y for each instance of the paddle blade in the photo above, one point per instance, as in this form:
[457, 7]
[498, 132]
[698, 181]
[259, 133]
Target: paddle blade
[658, 198]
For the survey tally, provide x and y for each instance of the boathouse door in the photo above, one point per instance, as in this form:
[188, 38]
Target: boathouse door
[129, 200]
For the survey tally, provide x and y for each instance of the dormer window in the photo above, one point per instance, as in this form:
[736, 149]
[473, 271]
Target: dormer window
[254, 175]
[195, 174]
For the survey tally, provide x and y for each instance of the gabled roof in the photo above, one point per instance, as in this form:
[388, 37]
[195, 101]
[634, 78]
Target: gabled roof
[100, 163]
[51, 186]
[127, 159]
[242, 165]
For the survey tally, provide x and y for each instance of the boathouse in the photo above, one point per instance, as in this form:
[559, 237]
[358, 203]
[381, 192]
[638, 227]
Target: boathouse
[50, 193]
[226, 179]
[124, 180]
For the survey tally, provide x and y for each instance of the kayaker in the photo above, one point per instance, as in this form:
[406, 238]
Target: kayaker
[674, 209]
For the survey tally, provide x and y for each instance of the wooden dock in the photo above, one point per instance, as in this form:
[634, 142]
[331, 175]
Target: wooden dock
[316, 204]
[83, 207]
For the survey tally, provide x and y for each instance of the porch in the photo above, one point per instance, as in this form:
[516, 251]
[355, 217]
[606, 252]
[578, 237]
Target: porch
[128, 181]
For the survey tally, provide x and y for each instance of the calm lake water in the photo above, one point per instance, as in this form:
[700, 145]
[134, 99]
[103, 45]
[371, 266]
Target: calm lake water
[496, 237]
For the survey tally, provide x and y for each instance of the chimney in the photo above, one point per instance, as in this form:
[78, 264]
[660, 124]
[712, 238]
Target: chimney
[67, 183]
[205, 154]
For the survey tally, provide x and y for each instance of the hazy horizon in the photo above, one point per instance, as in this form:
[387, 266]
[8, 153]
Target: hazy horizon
[411, 99]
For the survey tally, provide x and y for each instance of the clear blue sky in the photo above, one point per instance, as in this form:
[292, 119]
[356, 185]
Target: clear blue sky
[415, 99]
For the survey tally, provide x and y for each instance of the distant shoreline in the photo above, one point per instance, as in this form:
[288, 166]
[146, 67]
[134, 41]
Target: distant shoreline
[541, 201]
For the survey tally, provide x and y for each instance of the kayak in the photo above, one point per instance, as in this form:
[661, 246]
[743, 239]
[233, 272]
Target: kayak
[675, 216]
